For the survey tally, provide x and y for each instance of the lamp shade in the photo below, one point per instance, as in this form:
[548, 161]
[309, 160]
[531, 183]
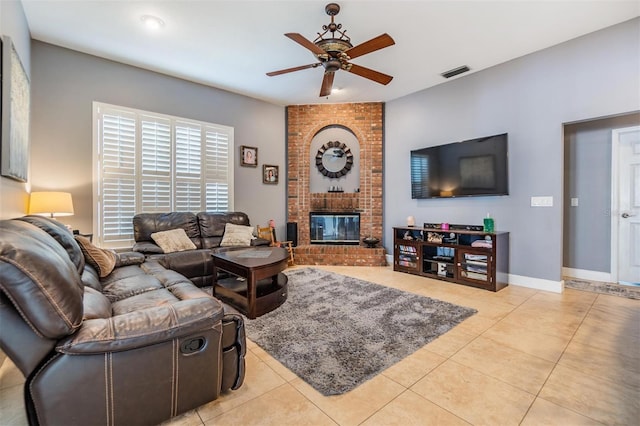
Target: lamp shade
[51, 204]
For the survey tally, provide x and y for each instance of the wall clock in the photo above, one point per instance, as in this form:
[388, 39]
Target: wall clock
[334, 159]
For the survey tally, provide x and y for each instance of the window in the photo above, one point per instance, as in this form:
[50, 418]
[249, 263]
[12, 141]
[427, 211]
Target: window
[148, 162]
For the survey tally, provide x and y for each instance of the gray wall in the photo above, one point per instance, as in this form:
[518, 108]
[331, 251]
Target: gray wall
[530, 98]
[587, 230]
[66, 82]
[13, 194]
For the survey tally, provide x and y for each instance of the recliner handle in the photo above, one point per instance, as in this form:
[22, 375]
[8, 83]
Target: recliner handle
[193, 345]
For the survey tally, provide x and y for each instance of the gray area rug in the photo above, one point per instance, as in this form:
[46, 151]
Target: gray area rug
[336, 332]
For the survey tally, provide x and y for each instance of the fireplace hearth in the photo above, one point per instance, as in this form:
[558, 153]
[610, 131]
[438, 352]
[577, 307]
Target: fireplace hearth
[339, 228]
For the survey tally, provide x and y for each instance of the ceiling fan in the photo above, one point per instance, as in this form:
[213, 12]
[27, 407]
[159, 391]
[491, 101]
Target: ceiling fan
[334, 53]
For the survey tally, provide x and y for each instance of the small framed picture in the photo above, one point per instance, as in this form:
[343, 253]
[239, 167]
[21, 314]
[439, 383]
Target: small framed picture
[248, 156]
[269, 174]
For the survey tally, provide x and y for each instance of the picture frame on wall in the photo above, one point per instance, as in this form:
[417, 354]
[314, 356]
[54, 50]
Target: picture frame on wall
[248, 156]
[14, 156]
[270, 174]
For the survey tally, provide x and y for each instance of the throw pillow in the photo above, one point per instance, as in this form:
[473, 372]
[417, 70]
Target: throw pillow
[102, 260]
[237, 235]
[173, 240]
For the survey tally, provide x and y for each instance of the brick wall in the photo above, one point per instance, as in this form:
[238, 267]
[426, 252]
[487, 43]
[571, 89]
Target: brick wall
[365, 121]
[334, 202]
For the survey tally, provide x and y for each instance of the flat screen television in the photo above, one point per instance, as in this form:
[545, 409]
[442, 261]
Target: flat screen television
[476, 167]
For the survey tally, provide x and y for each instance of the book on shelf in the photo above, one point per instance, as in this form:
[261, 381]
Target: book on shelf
[476, 263]
[478, 257]
[409, 249]
[479, 269]
[475, 275]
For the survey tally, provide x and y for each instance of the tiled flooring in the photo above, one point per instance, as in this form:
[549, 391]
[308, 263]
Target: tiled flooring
[528, 357]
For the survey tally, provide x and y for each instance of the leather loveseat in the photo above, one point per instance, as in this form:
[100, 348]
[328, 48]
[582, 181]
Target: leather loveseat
[206, 231]
[139, 346]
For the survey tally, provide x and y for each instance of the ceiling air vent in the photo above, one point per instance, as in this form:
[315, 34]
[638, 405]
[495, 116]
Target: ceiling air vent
[455, 71]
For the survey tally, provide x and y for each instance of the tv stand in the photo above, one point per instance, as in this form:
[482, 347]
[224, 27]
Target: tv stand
[473, 258]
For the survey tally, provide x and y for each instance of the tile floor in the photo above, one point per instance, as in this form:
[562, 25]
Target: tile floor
[527, 357]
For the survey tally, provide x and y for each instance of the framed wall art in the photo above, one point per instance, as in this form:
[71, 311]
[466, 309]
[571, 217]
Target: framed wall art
[248, 156]
[269, 174]
[15, 114]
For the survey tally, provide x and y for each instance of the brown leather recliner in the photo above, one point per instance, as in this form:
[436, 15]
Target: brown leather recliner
[137, 347]
[205, 230]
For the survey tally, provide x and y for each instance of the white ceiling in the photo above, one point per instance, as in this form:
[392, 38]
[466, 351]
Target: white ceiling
[232, 44]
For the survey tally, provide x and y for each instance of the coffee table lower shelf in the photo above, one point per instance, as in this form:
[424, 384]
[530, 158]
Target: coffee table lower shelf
[269, 293]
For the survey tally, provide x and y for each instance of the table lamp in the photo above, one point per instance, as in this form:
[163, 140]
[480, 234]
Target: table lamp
[51, 204]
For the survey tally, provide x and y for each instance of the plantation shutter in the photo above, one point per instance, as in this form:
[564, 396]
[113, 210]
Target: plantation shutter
[217, 169]
[189, 186]
[117, 201]
[156, 165]
[150, 163]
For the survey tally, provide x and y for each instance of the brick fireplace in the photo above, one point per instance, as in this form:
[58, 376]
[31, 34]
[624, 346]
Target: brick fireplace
[365, 121]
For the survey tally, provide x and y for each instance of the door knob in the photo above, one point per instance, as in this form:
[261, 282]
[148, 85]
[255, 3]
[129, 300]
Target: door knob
[626, 215]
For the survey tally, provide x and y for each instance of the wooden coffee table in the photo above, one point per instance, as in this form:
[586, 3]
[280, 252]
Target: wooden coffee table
[257, 286]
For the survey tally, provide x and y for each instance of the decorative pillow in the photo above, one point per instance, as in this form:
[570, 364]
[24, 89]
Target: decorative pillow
[102, 260]
[237, 235]
[173, 240]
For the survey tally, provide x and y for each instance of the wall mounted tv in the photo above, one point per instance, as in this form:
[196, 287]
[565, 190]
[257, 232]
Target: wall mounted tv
[476, 167]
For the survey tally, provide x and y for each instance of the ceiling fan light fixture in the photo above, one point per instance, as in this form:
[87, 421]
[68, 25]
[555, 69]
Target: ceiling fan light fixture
[152, 22]
[332, 65]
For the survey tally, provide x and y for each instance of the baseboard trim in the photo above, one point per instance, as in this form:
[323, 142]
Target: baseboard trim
[536, 283]
[389, 258]
[584, 274]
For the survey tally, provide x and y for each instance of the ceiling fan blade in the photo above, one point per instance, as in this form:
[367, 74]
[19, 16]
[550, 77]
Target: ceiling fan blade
[327, 83]
[376, 76]
[284, 71]
[377, 43]
[299, 38]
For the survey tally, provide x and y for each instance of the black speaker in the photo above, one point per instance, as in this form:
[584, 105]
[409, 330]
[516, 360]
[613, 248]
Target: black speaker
[292, 232]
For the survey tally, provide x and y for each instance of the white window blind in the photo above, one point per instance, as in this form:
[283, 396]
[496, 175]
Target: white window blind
[146, 162]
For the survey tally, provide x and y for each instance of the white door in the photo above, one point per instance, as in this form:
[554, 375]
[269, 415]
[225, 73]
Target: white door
[625, 211]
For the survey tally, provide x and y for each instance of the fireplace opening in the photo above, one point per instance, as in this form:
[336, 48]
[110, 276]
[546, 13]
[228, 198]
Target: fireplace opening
[334, 228]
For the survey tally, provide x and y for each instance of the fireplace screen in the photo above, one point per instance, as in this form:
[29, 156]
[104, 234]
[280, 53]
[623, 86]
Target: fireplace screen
[334, 228]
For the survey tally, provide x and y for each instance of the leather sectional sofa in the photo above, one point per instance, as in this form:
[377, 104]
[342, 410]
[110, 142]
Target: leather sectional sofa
[205, 230]
[139, 346]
